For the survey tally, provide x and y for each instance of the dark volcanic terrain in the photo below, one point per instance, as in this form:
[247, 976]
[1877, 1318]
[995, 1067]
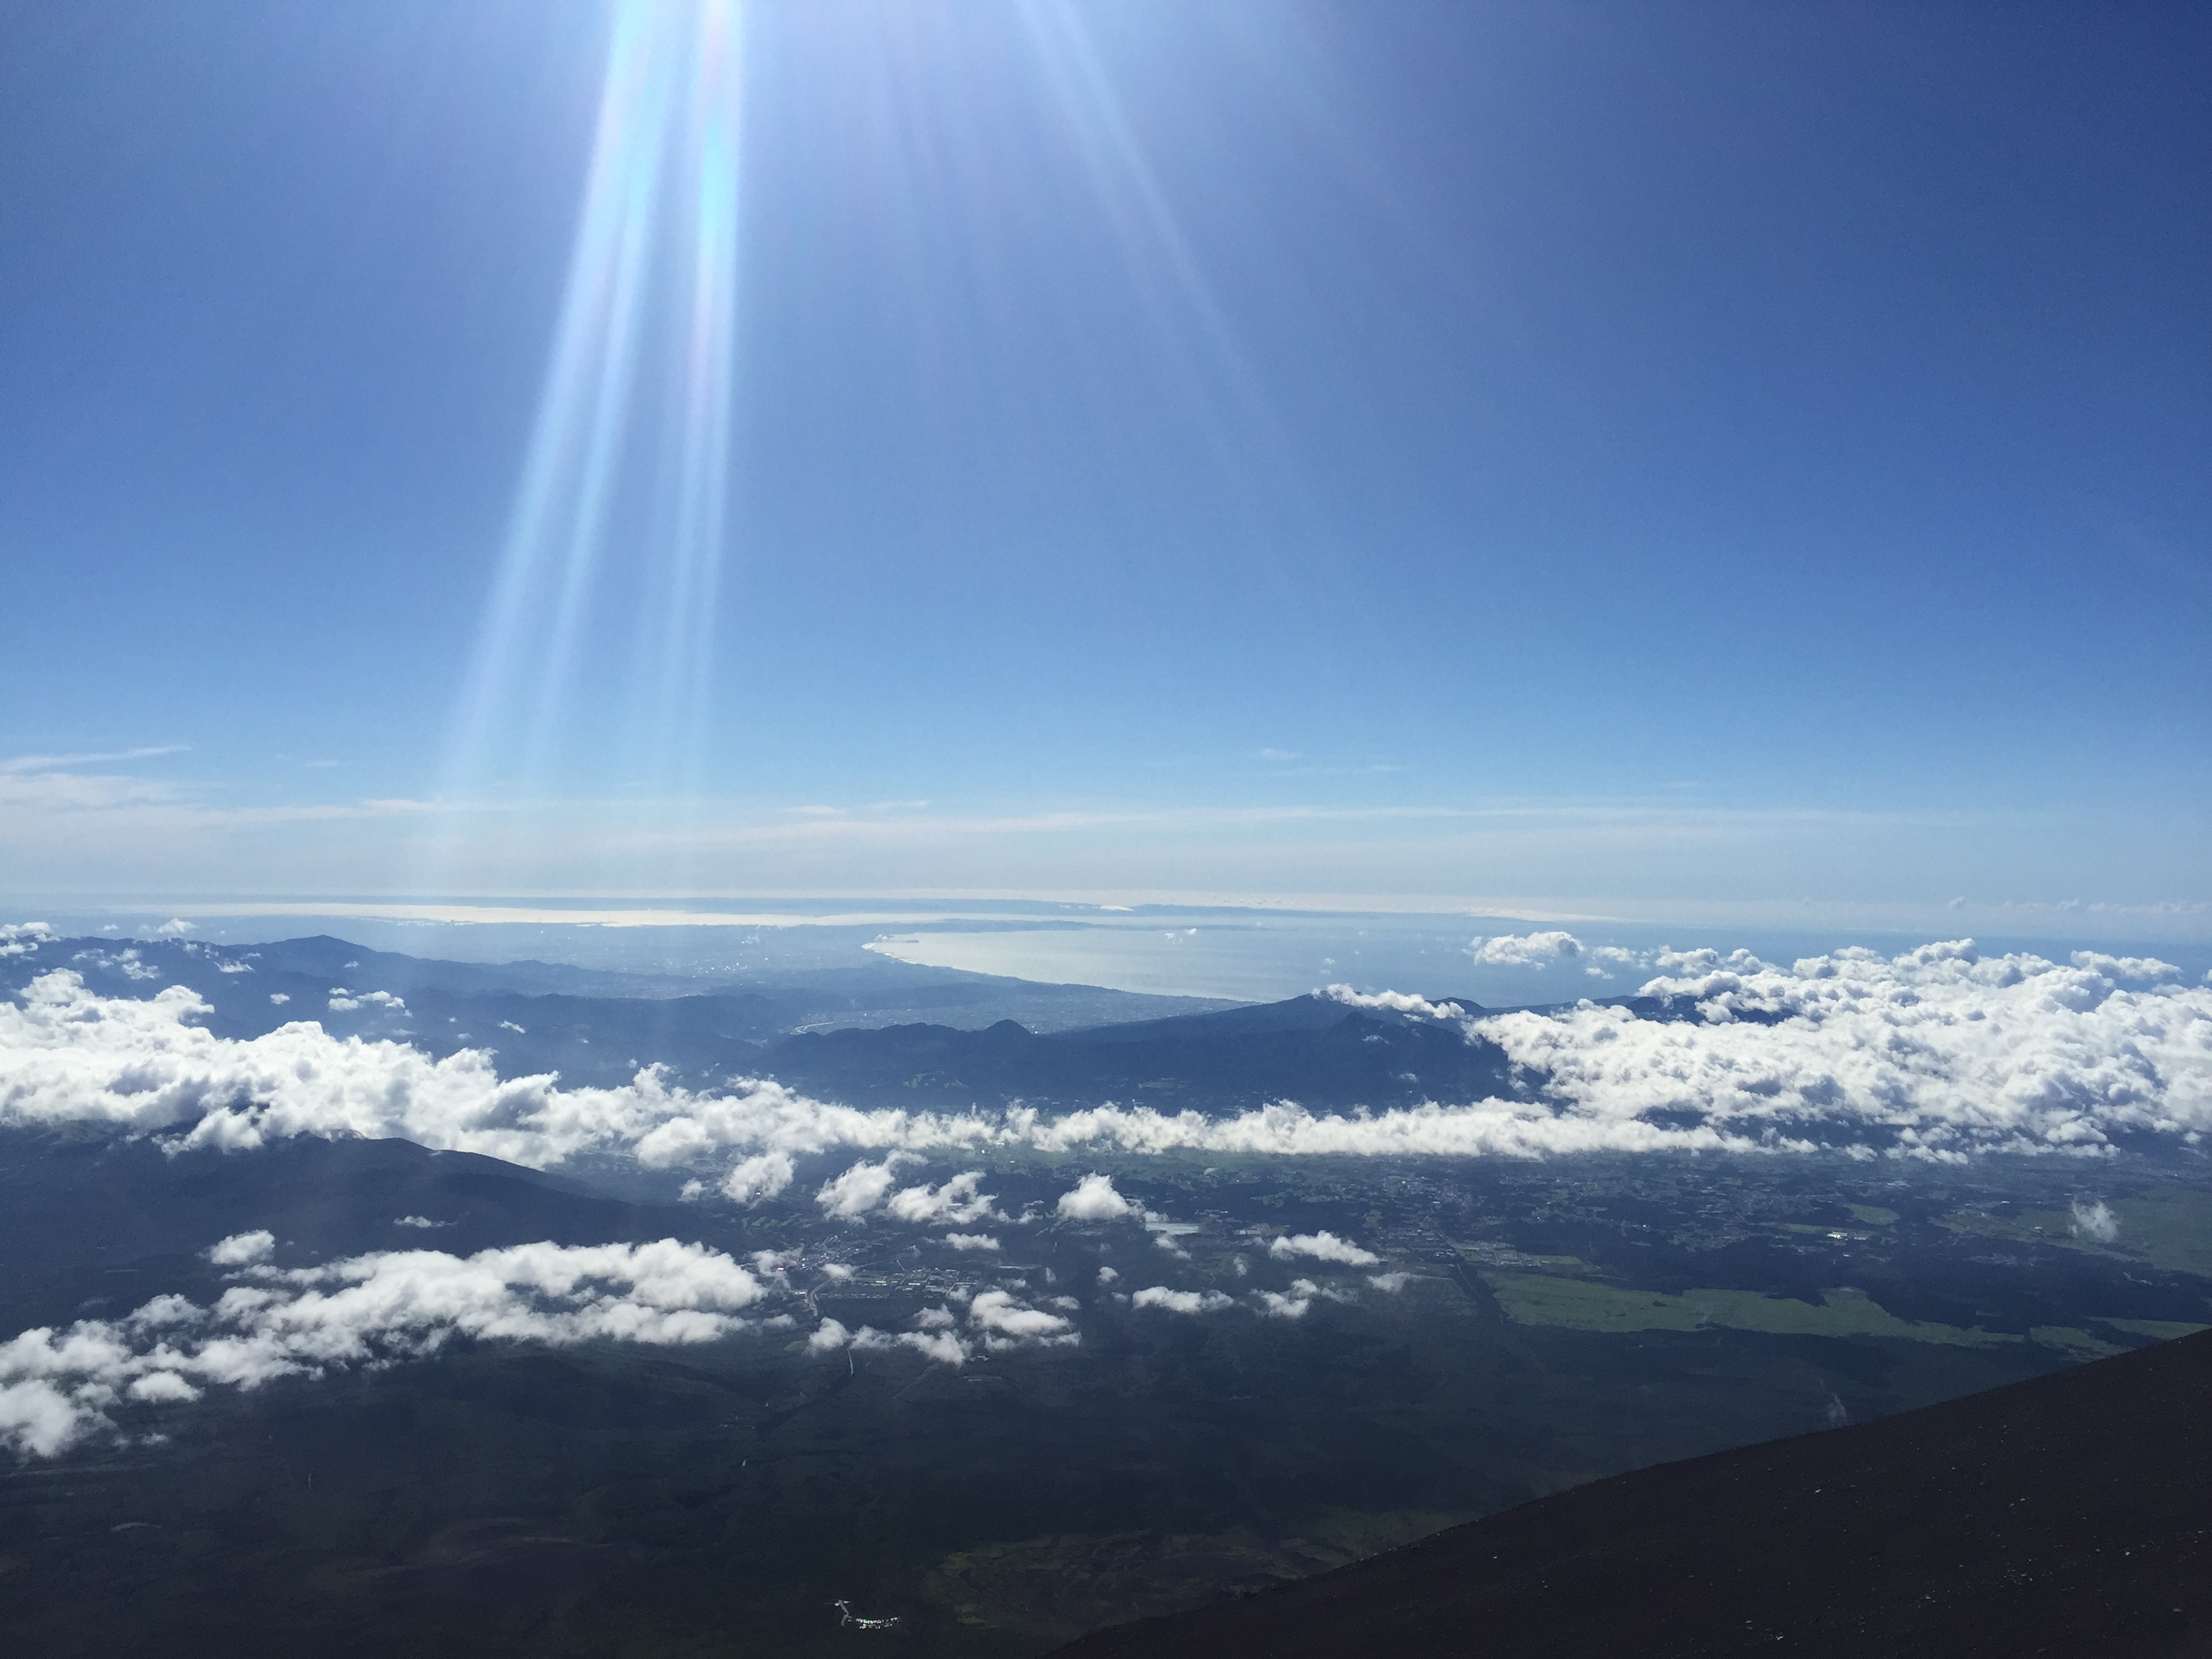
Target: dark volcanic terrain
[2067, 1515]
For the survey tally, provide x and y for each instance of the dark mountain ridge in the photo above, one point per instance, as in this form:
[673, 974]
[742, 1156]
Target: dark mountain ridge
[2066, 1515]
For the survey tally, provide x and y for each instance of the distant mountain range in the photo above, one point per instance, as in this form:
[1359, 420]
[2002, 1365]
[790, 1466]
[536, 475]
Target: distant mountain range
[594, 1027]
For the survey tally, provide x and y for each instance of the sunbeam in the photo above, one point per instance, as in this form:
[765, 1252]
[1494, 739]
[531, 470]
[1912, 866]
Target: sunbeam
[653, 270]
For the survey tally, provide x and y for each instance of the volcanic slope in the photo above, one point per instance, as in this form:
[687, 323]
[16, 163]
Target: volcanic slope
[2067, 1515]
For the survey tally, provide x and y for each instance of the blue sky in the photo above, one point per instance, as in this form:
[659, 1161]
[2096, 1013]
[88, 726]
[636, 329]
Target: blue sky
[1684, 459]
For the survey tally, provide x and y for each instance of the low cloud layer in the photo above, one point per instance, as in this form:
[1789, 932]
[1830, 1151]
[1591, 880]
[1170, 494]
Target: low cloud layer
[1939, 1052]
[58, 1386]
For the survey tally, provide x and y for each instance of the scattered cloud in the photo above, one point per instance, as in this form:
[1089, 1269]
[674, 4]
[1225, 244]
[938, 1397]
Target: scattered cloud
[1390, 1284]
[1527, 949]
[997, 1320]
[1093, 1199]
[861, 1188]
[22, 938]
[58, 1387]
[1181, 1302]
[765, 1175]
[955, 1202]
[242, 1249]
[1276, 1305]
[2096, 1221]
[1004, 1322]
[1323, 1246]
[174, 927]
[1395, 1002]
[971, 1241]
[343, 1001]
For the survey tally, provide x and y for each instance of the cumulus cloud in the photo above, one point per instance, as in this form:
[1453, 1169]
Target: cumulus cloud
[22, 938]
[280, 998]
[1389, 1284]
[955, 1202]
[240, 1250]
[1181, 1302]
[861, 1188]
[1093, 1199]
[1937, 1052]
[58, 1386]
[420, 1221]
[1107, 1275]
[765, 1175]
[1526, 950]
[343, 1001]
[1005, 1321]
[997, 1320]
[2125, 968]
[971, 1241]
[1323, 1246]
[1275, 1305]
[174, 927]
[2096, 1221]
[233, 967]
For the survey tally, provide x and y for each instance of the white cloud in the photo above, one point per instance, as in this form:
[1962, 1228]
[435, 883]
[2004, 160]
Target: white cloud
[2096, 1221]
[1389, 1284]
[22, 938]
[242, 1250]
[1938, 1053]
[1276, 1305]
[1396, 1002]
[2127, 968]
[997, 1320]
[957, 1201]
[1093, 1199]
[765, 1175]
[1107, 1275]
[509, 1025]
[861, 1188]
[1527, 949]
[1323, 1246]
[280, 998]
[174, 927]
[57, 1386]
[1181, 1302]
[420, 1221]
[971, 1241]
[343, 1001]
[233, 967]
[1004, 1322]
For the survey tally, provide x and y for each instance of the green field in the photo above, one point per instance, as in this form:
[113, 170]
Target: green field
[1582, 1304]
